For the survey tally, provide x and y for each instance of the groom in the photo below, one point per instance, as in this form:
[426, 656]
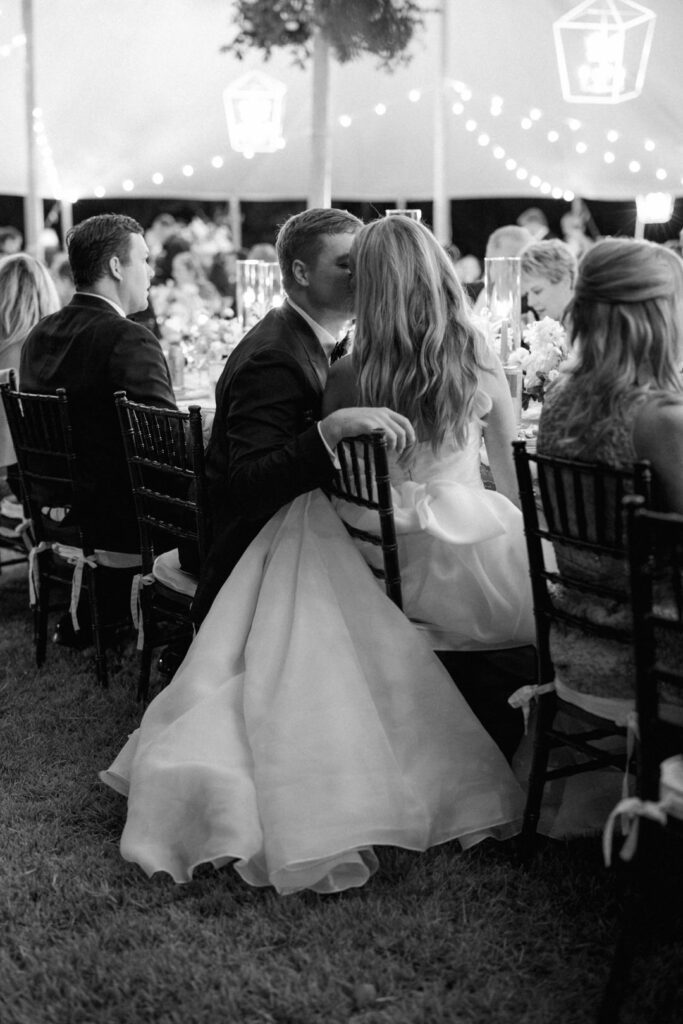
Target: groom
[268, 443]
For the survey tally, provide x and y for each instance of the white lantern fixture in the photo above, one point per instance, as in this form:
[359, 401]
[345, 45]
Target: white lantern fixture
[655, 207]
[602, 50]
[254, 106]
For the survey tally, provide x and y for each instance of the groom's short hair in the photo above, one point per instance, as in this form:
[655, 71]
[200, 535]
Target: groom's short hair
[301, 236]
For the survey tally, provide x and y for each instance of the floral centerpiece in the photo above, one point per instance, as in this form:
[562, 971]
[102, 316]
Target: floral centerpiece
[205, 335]
[541, 361]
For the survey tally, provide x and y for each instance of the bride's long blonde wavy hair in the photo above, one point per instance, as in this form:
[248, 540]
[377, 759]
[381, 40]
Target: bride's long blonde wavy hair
[415, 347]
[626, 330]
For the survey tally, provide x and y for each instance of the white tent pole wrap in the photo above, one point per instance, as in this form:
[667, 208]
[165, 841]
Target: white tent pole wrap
[320, 184]
[442, 218]
[33, 210]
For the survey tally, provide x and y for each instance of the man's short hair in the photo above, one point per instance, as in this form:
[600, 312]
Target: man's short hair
[301, 237]
[532, 215]
[549, 258]
[508, 240]
[93, 242]
[12, 235]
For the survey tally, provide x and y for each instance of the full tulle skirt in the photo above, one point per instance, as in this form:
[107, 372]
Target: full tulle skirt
[309, 722]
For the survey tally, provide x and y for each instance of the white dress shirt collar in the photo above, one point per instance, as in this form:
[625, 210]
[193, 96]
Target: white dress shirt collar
[326, 339]
[93, 295]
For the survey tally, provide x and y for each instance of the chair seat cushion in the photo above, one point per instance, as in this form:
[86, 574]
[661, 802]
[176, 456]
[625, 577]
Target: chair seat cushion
[612, 708]
[166, 570]
[671, 785]
[11, 509]
[110, 559]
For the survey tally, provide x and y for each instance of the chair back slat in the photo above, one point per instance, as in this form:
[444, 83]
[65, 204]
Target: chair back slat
[165, 454]
[577, 508]
[42, 436]
[363, 480]
[655, 545]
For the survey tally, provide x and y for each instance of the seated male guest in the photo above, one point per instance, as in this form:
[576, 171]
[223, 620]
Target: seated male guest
[91, 349]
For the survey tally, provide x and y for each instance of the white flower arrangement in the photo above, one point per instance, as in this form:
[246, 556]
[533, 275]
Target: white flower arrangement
[540, 363]
[204, 335]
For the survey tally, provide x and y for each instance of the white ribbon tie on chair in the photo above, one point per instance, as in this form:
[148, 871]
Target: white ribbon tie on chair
[139, 581]
[523, 697]
[33, 576]
[75, 557]
[633, 809]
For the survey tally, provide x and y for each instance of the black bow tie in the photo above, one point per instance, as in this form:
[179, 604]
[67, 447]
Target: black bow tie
[340, 349]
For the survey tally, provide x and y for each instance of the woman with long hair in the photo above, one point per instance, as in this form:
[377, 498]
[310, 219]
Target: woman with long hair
[619, 396]
[310, 719]
[417, 350]
[27, 293]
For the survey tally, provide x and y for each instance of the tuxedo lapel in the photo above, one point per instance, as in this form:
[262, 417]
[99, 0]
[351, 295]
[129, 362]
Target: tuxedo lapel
[307, 349]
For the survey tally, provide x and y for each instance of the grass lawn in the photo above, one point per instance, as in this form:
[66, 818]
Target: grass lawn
[439, 938]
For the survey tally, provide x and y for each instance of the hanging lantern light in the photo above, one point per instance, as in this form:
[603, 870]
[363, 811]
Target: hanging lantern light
[254, 106]
[655, 207]
[602, 50]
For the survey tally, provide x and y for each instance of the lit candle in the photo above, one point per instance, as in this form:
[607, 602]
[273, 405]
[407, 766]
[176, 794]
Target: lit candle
[504, 342]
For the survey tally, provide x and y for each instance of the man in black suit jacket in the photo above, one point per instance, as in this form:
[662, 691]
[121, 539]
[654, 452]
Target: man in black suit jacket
[268, 443]
[90, 348]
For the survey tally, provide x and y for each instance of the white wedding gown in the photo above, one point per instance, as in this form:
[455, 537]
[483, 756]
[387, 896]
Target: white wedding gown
[310, 720]
[462, 552]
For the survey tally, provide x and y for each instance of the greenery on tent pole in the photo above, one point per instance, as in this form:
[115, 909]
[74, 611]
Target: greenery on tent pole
[384, 28]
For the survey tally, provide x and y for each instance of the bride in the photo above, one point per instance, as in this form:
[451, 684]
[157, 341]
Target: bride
[310, 720]
[416, 350]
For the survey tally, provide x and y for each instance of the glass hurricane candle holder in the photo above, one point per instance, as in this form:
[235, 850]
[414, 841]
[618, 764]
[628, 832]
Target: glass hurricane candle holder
[274, 295]
[503, 284]
[250, 292]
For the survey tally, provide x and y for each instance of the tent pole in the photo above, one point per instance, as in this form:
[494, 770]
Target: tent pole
[442, 219]
[320, 184]
[33, 207]
[235, 218]
[66, 216]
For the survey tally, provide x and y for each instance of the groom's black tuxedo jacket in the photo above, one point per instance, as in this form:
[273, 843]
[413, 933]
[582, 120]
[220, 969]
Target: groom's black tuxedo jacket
[89, 349]
[265, 448]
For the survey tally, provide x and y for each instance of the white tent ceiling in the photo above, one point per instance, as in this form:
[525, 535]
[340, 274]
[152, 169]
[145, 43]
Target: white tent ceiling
[128, 88]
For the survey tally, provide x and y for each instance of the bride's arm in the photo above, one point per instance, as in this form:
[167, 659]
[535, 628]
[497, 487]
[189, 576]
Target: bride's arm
[341, 389]
[658, 436]
[500, 430]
